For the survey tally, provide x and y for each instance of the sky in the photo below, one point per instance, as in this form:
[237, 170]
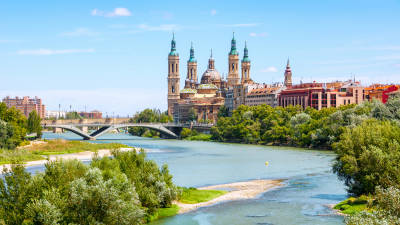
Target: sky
[112, 55]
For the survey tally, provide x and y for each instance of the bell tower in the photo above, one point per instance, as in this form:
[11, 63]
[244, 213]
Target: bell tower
[191, 77]
[173, 77]
[288, 75]
[233, 64]
[246, 66]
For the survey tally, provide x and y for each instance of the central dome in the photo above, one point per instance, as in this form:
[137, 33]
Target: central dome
[211, 73]
[209, 76]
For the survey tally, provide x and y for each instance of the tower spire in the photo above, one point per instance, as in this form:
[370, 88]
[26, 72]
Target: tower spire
[173, 45]
[192, 58]
[246, 52]
[287, 64]
[233, 46]
[211, 54]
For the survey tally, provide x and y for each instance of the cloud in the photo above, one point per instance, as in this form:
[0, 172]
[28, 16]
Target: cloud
[213, 12]
[262, 34]
[3, 41]
[383, 48]
[80, 32]
[115, 13]
[162, 27]
[270, 69]
[53, 52]
[242, 25]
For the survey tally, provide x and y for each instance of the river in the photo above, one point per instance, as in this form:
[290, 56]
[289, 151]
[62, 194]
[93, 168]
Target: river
[309, 182]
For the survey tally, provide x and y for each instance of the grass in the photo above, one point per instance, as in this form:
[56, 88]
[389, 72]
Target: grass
[199, 137]
[60, 146]
[16, 156]
[193, 195]
[164, 212]
[52, 147]
[353, 205]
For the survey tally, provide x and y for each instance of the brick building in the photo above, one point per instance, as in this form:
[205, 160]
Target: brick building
[26, 105]
[318, 95]
[92, 115]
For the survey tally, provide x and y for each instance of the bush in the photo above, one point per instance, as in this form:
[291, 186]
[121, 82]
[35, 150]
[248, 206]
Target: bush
[368, 156]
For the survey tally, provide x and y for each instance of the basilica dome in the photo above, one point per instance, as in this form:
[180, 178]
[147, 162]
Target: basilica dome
[210, 75]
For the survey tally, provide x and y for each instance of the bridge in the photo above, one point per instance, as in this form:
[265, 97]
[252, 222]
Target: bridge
[168, 130]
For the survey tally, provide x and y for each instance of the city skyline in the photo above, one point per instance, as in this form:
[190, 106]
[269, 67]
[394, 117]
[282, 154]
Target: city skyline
[114, 55]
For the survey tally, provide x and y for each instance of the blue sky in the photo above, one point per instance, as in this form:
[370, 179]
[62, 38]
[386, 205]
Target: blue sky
[112, 55]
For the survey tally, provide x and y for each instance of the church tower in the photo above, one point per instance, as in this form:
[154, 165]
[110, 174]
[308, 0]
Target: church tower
[173, 77]
[246, 66]
[233, 64]
[191, 77]
[288, 75]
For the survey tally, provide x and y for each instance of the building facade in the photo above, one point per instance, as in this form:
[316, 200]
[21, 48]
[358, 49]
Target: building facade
[318, 95]
[202, 100]
[26, 105]
[267, 95]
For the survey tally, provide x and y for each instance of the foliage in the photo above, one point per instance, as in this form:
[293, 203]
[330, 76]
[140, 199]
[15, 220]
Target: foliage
[223, 111]
[73, 116]
[368, 155]
[34, 125]
[153, 185]
[199, 137]
[125, 189]
[148, 116]
[13, 127]
[386, 209]
[192, 114]
[186, 132]
[353, 205]
[193, 195]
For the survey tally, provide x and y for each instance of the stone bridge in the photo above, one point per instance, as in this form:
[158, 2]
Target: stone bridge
[168, 130]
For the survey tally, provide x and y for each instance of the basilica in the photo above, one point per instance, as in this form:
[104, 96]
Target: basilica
[202, 100]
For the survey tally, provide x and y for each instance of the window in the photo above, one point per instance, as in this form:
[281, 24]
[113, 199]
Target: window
[233, 66]
[173, 89]
[172, 67]
[176, 67]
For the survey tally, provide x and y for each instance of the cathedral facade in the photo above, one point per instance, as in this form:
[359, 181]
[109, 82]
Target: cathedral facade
[202, 100]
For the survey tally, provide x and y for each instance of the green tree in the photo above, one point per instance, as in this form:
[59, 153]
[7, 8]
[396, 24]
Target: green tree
[368, 156]
[34, 125]
[223, 111]
[192, 115]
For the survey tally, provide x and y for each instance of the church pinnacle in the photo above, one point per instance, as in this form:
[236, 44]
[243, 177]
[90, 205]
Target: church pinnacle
[192, 58]
[233, 46]
[246, 53]
[173, 46]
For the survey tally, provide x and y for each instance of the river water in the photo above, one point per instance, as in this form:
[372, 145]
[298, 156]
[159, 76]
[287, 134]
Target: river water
[309, 182]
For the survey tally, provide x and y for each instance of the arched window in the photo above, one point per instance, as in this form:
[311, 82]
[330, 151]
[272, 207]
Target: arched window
[191, 74]
[233, 66]
[176, 67]
[172, 67]
[173, 89]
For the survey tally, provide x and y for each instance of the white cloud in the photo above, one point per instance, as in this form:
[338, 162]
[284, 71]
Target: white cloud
[262, 34]
[162, 27]
[3, 41]
[242, 25]
[384, 48]
[80, 32]
[115, 13]
[270, 69]
[53, 52]
[213, 12]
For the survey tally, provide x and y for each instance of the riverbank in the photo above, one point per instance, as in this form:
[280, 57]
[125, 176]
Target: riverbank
[236, 191]
[40, 152]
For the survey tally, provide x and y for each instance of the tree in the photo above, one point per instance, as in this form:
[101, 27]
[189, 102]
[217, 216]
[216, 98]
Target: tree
[34, 125]
[192, 115]
[368, 156]
[387, 209]
[223, 111]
